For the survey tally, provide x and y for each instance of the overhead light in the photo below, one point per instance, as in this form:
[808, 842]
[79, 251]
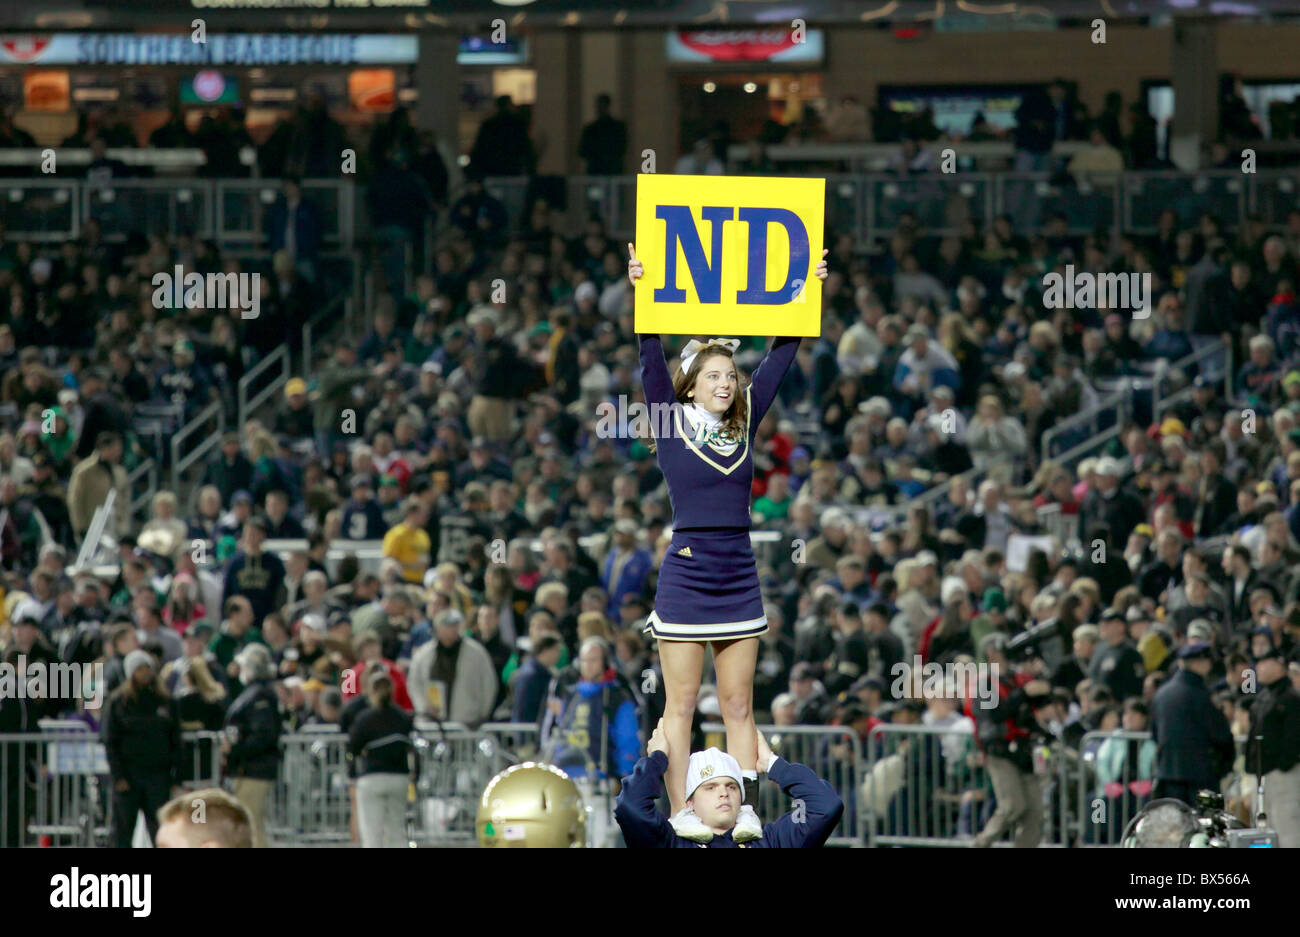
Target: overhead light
[710, 87]
[750, 87]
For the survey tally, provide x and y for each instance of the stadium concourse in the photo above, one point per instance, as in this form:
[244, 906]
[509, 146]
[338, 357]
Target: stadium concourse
[950, 460]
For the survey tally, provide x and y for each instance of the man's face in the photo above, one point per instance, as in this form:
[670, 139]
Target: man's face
[717, 803]
[25, 635]
[592, 664]
[1270, 670]
[1083, 648]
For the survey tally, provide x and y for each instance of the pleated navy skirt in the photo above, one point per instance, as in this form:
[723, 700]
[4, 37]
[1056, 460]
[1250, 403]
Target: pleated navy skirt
[708, 588]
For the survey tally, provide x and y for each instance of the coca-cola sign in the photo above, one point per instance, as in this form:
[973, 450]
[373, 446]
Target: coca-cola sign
[761, 44]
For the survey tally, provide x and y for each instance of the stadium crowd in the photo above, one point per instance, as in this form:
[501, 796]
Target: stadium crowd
[476, 430]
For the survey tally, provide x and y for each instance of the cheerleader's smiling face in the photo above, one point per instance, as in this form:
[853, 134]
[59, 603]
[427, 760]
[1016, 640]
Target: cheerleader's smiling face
[717, 385]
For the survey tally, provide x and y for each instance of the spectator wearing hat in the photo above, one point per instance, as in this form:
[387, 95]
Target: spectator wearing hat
[229, 471]
[627, 566]
[1005, 740]
[1109, 506]
[452, 677]
[992, 617]
[231, 524]
[92, 480]
[252, 745]
[363, 515]
[714, 790]
[1273, 748]
[1194, 746]
[295, 419]
[459, 526]
[185, 382]
[379, 750]
[142, 741]
[1116, 663]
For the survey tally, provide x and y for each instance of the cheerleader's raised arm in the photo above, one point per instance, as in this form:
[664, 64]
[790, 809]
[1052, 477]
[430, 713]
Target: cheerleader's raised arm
[658, 382]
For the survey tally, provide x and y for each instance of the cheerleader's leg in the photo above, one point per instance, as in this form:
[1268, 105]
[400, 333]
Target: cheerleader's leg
[734, 662]
[682, 662]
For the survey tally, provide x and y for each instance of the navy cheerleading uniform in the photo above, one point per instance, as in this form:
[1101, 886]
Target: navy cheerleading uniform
[708, 584]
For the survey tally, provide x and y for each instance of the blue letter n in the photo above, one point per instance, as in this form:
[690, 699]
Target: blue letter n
[681, 228]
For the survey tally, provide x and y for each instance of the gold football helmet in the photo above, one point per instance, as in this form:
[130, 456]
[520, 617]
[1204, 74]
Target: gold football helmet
[534, 806]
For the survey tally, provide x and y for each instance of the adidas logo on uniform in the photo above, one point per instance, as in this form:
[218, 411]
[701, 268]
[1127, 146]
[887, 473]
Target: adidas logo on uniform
[684, 551]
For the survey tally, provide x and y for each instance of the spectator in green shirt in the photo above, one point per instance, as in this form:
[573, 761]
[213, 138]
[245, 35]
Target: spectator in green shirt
[775, 502]
[237, 632]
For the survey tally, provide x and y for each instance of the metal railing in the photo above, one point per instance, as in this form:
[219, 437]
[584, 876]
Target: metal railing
[148, 470]
[327, 311]
[1068, 458]
[230, 211]
[869, 205]
[1217, 371]
[180, 463]
[1119, 403]
[56, 783]
[833, 753]
[927, 786]
[247, 404]
[55, 788]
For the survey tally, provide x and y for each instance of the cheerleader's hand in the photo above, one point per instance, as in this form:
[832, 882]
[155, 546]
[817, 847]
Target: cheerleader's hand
[658, 740]
[764, 750]
[634, 268]
[820, 271]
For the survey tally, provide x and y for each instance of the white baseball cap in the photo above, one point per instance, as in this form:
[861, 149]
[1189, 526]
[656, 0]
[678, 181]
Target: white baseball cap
[708, 765]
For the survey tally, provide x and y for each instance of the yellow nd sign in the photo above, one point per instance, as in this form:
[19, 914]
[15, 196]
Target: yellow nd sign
[729, 255]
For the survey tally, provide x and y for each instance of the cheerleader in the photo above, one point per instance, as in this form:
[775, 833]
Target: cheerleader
[708, 590]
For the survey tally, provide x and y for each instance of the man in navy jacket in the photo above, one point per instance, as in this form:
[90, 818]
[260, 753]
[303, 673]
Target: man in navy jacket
[715, 791]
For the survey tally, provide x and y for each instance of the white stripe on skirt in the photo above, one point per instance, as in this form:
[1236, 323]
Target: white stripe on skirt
[711, 631]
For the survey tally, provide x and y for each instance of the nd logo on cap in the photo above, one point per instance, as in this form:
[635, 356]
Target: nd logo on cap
[729, 255]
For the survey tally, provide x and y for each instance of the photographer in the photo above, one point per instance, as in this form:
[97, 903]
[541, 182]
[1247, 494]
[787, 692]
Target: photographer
[1005, 734]
[1274, 746]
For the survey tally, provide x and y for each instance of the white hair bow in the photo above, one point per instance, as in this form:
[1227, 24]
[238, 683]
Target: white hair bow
[695, 346]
